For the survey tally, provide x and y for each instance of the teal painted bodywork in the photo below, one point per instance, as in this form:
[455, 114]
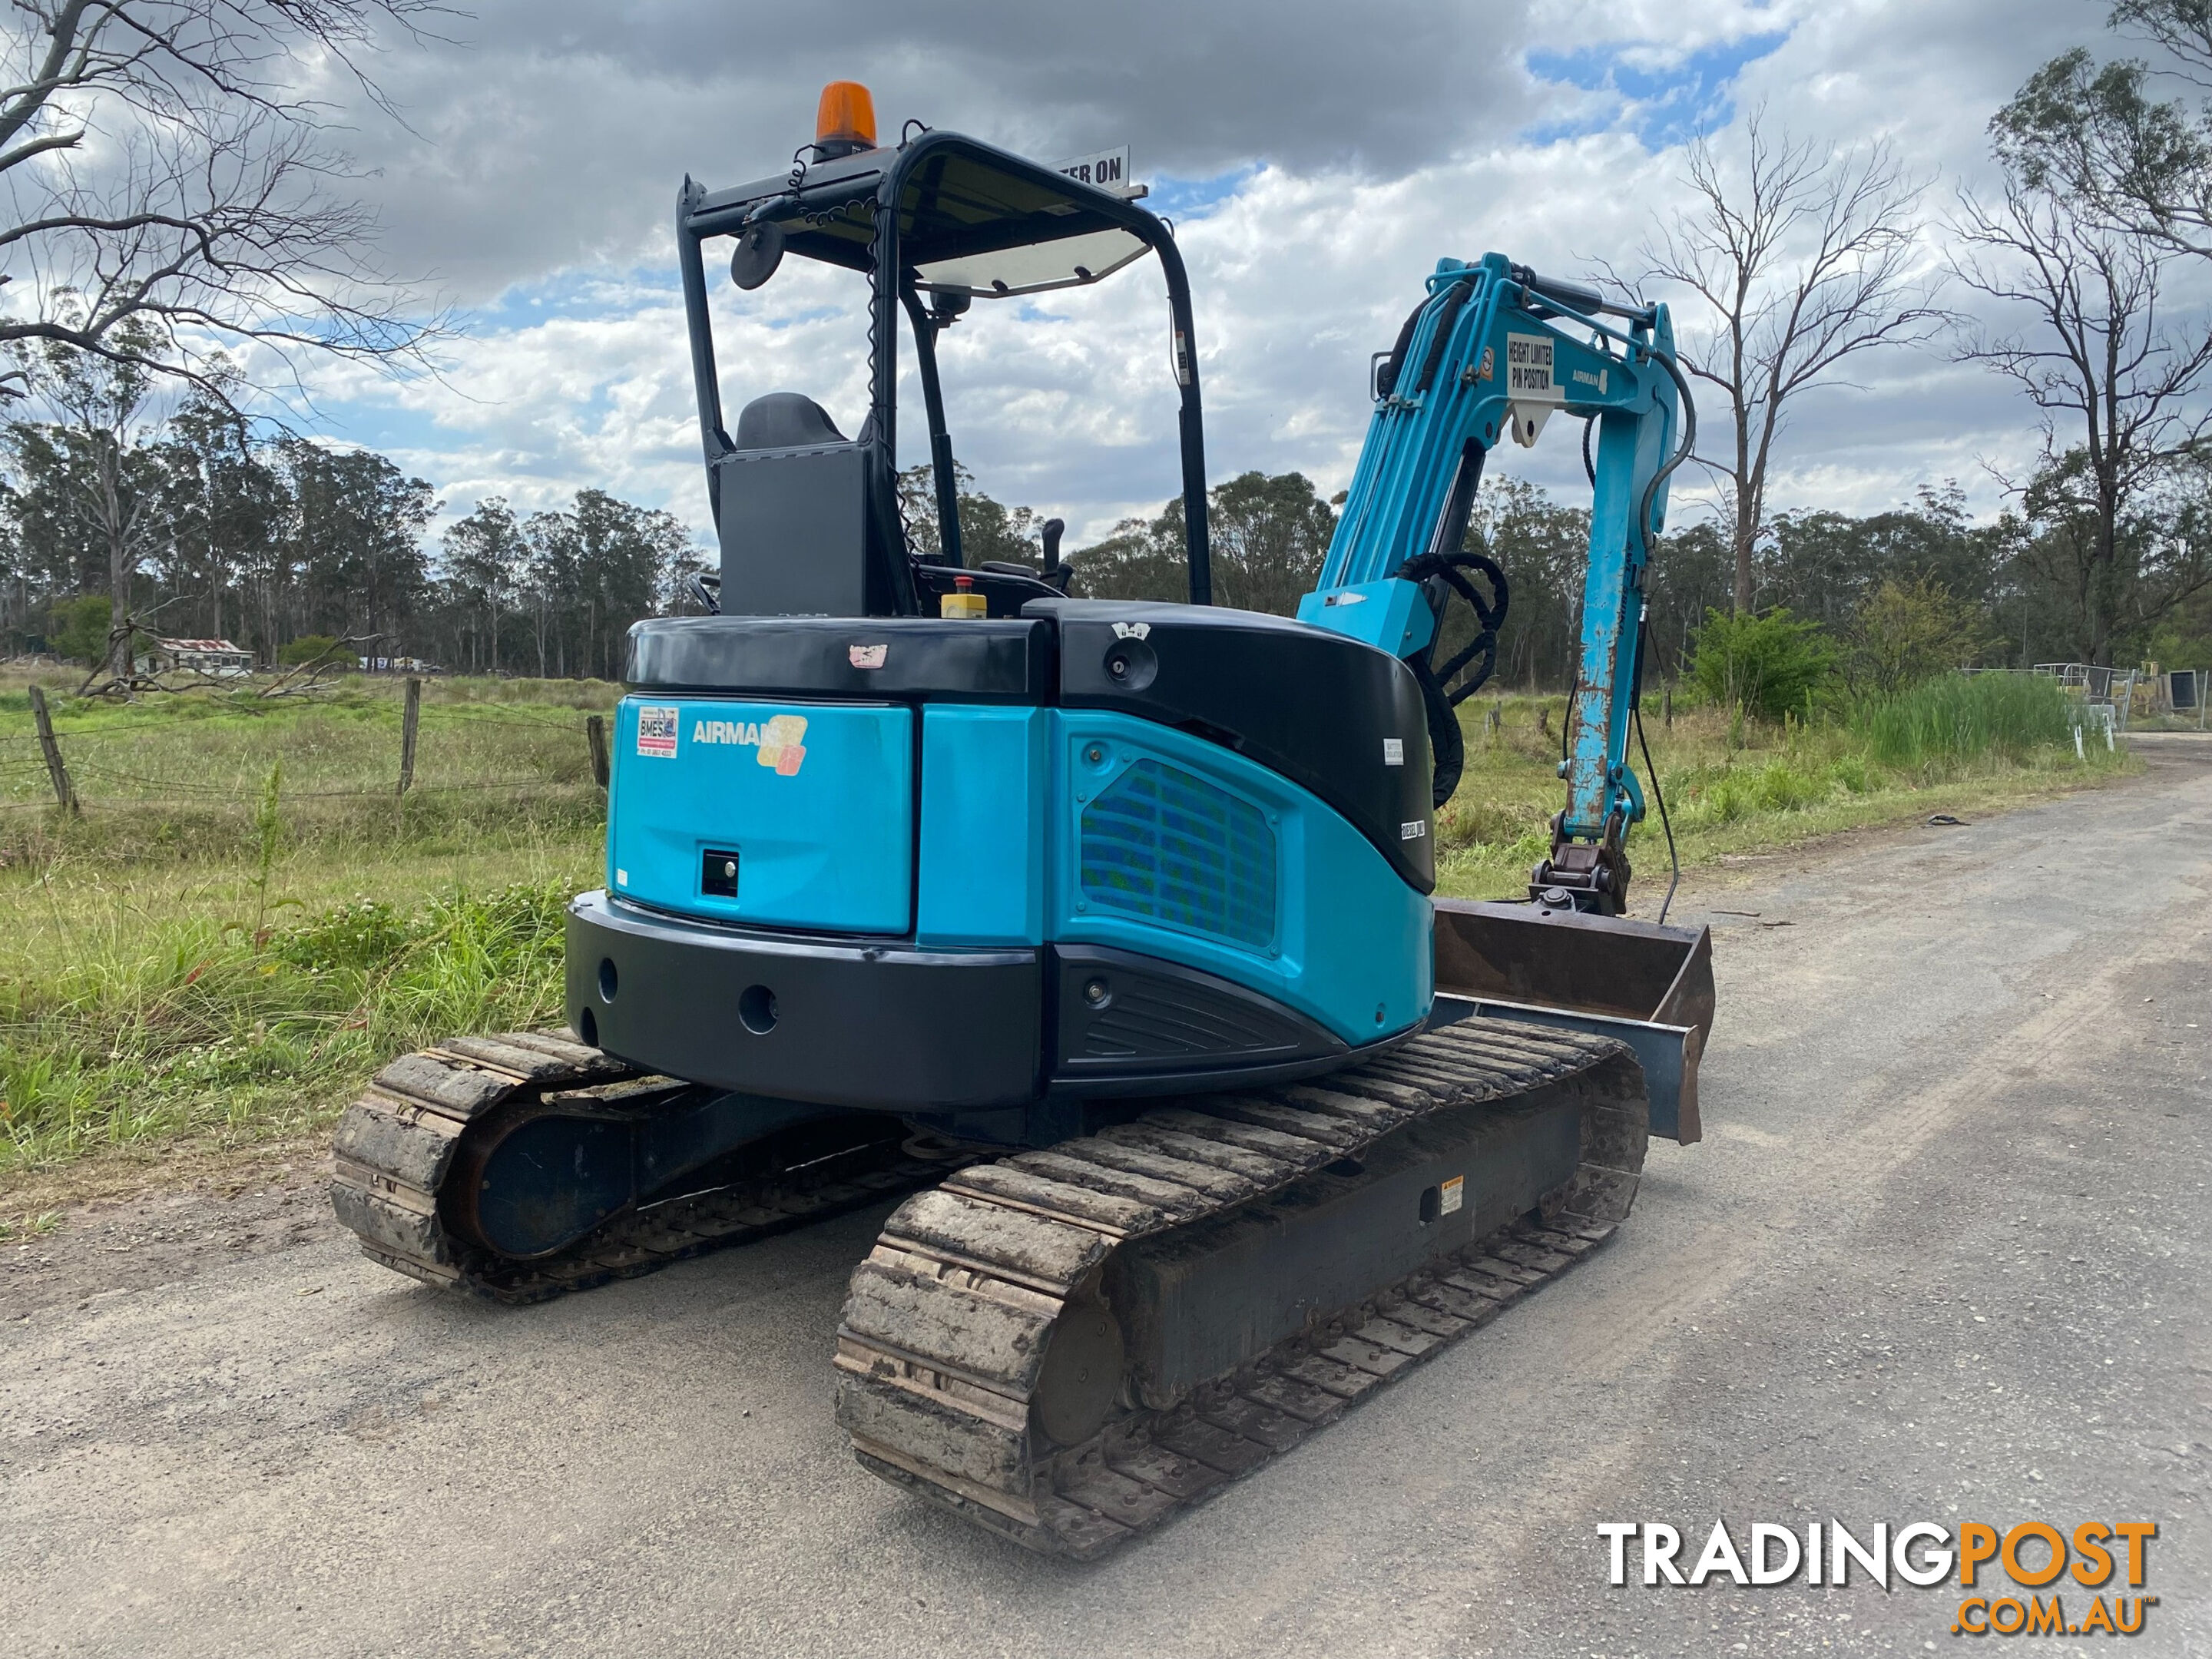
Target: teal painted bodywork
[1035, 826]
[1392, 615]
[824, 834]
[1349, 943]
[985, 777]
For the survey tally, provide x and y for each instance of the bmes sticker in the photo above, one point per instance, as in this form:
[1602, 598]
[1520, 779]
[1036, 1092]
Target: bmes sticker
[779, 739]
[656, 732]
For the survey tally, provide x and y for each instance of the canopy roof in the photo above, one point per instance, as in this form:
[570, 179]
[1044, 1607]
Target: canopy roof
[972, 220]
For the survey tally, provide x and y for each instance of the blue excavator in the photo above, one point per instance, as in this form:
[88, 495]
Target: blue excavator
[1102, 930]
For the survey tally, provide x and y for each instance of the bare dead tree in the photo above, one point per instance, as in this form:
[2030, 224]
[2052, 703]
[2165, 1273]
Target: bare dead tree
[1796, 258]
[159, 170]
[2118, 385]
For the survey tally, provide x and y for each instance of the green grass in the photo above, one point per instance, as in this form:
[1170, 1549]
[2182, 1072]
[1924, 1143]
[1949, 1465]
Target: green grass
[179, 778]
[249, 919]
[1963, 718]
[1972, 742]
[203, 958]
[200, 1024]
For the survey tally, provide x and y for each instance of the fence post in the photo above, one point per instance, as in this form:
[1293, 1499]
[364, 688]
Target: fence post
[595, 733]
[410, 715]
[1666, 706]
[65, 791]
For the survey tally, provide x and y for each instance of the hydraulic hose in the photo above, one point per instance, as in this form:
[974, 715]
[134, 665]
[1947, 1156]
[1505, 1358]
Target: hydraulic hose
[1447, 748]
[1682, 451]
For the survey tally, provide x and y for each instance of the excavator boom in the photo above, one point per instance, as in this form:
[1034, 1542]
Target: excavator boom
[1493, 350]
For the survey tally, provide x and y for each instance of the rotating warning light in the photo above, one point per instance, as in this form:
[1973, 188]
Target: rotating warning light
[845, 120]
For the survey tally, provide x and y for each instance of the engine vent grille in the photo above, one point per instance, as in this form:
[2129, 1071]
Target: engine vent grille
[1167, 845]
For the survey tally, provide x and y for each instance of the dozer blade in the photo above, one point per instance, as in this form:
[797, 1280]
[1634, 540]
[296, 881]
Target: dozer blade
[1649, 986]
[1068, 1346]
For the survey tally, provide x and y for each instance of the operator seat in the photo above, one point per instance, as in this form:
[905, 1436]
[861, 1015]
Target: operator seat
[786, 420]
[806, 517]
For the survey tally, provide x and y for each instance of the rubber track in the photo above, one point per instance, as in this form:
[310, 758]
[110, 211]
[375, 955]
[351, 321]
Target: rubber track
[395, 1147]
[949, 1322]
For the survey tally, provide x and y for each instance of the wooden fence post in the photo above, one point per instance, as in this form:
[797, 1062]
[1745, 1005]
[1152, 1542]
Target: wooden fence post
[1667, 707]
[410, 717]
[595, 733]
[65, 791]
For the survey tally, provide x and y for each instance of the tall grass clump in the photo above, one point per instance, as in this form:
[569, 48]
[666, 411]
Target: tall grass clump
[1963, 717]
[196, 1026]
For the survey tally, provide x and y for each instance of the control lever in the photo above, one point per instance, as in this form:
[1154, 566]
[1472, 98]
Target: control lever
[1055, 575]
[1056, 572]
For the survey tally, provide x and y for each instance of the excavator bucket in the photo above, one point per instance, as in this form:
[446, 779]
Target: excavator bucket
[1652, 987]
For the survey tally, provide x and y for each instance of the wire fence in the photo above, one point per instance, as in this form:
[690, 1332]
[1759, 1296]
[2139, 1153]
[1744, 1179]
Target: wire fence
[55, 769]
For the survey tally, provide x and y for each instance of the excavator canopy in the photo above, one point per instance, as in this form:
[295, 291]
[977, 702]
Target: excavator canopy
[936, 222]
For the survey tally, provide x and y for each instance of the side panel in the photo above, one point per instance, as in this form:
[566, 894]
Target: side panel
[986, 778]
[1177, 847]
[815, 800]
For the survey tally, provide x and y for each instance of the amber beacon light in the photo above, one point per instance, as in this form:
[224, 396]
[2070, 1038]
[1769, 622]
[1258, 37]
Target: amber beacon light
[845, 120]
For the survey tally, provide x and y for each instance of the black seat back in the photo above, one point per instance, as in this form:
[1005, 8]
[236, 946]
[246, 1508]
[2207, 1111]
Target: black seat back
[808, 521]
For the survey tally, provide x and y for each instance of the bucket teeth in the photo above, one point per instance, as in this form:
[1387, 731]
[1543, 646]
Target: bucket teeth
[939, 1355]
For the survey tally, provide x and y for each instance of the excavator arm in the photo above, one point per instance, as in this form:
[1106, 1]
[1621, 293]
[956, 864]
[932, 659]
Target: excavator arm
[1495, 349]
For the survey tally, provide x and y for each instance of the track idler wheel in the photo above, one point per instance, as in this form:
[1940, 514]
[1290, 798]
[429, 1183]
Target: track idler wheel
[526, 1189]
[1081, 1377]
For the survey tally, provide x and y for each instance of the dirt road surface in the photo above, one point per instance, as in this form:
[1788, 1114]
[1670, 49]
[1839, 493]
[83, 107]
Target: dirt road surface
[1943, 1256]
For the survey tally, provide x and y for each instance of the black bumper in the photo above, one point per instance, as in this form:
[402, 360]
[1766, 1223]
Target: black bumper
[875, 1026]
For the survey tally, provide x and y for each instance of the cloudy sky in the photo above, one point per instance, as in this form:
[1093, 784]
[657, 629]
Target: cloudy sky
[1316, 158]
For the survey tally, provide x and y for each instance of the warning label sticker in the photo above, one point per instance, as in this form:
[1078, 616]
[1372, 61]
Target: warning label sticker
[656, 732]
[1450, 1193]
[1528, 372]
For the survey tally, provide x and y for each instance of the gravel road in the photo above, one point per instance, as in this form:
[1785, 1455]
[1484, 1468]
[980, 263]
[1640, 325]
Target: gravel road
[1943, 1256]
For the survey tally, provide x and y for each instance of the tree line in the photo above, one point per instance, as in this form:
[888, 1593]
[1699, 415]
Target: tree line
[175, 207]
[2075, 278]
[1921, 581]
[127, 513]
